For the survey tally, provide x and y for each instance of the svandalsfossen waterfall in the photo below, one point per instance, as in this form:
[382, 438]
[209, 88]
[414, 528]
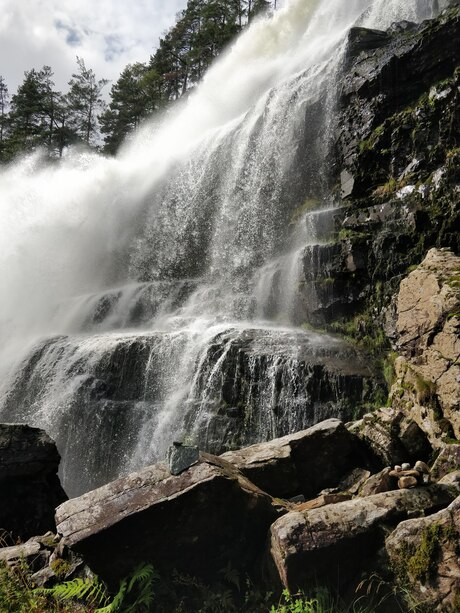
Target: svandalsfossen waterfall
[160, 295]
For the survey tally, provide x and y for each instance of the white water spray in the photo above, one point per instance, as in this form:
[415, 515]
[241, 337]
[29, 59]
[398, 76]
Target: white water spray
[176, 242]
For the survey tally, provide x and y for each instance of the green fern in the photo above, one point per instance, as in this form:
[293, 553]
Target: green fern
[144, 577]
[116, 603]
[94, 592]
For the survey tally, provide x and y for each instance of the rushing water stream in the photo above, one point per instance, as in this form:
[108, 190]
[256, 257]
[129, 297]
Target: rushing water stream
[156, 295]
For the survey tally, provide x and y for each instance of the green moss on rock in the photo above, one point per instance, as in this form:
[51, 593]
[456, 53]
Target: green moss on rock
[420, 562]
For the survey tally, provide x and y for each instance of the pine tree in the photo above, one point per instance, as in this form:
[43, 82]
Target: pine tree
[31, 117]
[4, 101]
[131, 100]
[84, 101]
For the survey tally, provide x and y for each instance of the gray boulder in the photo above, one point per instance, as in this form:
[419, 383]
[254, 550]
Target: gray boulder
[200, 521]
[446, 462]
[302, 463]
[337, 541]
[181, 457]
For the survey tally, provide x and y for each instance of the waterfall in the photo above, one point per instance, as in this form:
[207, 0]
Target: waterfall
[155, 296]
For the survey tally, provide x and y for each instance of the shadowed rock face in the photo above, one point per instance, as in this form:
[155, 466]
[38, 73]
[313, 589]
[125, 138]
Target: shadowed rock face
[374, 87]
[29, 485]
[397, 159]
[200, 521]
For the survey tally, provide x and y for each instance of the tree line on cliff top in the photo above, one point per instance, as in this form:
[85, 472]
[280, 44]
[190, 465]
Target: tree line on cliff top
[38, 116]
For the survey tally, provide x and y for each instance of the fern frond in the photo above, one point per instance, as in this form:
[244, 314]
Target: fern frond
[116, 603]
[142, 574]
[78, 589]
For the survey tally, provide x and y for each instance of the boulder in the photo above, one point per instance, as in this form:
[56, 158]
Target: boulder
[452, 478]
[378, 483]
[29, 485]
[424, 554]
[47, 558]
[352, 482]
[181, 457]
[447, 461]
[200, 521]
[336, 542]
[391, 436]
[26, 551]
[301, 463]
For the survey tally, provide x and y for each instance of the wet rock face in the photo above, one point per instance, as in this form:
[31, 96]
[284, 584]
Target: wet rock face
[397, 161]
[259, 385]
[246, 386]
[424, 554]
[428, 339]
[374, 88]
[200, 521]
[29, 485]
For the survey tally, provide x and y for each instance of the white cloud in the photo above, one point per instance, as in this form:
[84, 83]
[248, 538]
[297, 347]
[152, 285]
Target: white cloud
[107, 34]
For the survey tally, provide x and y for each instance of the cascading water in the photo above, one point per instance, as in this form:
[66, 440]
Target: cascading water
[155, 295]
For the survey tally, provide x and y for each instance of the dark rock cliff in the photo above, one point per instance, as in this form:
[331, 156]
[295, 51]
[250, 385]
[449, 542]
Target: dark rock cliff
[397, 163]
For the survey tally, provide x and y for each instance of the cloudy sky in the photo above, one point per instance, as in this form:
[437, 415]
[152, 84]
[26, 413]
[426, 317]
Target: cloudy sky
[107, 34]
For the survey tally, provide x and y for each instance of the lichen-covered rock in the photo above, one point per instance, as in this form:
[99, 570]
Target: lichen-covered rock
[200, 521]
[373, 90]
[447, 461]
[452, 478]
[29, 485]
[337, 541]
[28, 552]
[301, 463]
[428, 339]
[424, 553]
[392, 436]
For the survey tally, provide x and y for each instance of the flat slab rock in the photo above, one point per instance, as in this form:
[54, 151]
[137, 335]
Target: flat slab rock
[338, 541]
[203, 519]
[302, 463]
